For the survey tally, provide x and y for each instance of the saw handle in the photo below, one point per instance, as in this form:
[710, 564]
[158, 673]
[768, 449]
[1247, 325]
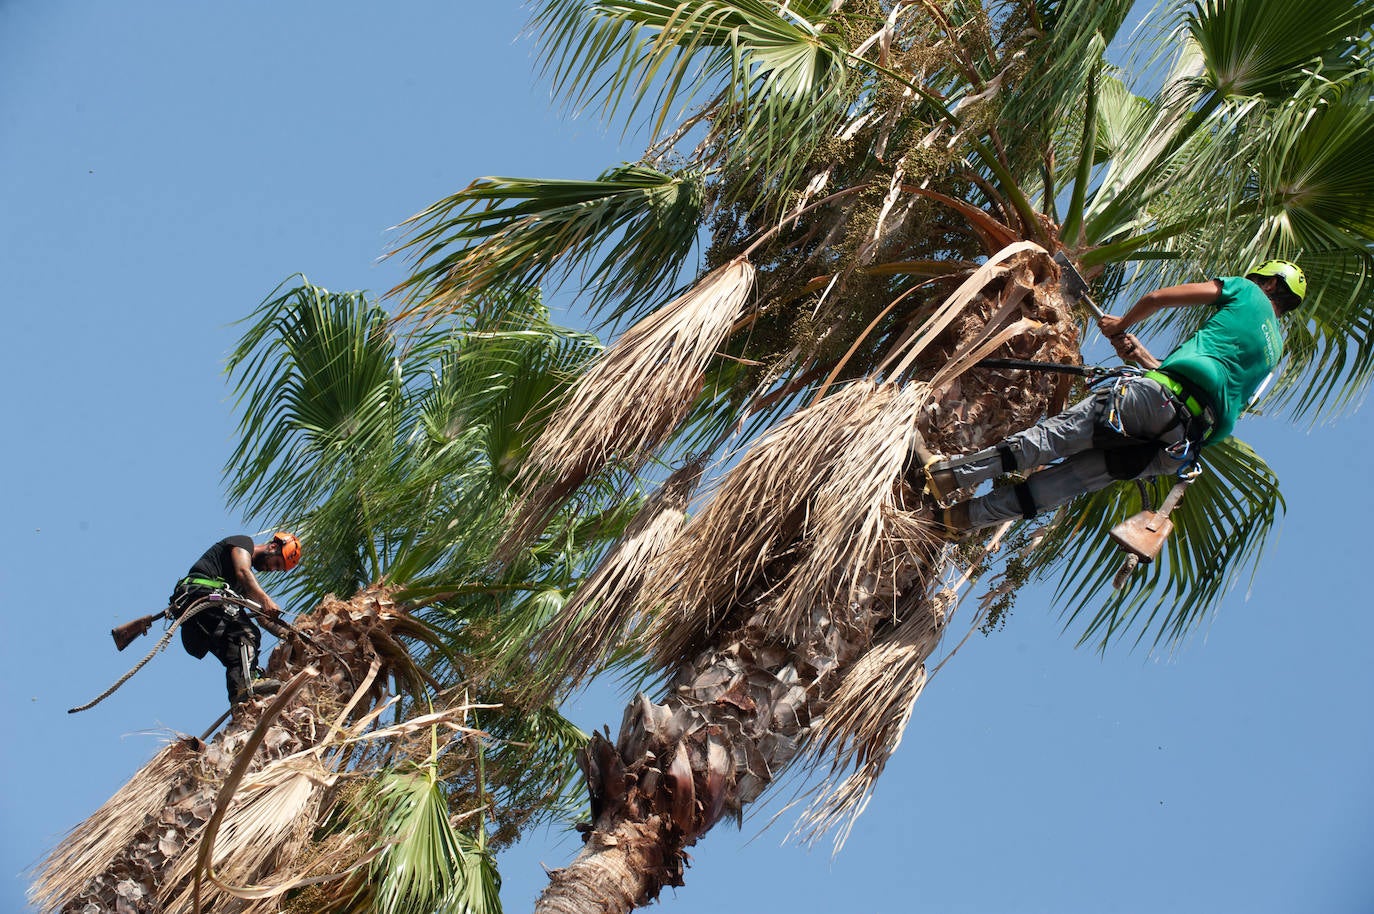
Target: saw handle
[125, 634]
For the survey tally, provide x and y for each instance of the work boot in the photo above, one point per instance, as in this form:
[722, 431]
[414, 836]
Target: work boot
[258, 688]
[950, 524]
[939, 474]
[929, 473]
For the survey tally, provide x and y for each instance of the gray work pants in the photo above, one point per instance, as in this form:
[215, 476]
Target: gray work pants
[1146, 411]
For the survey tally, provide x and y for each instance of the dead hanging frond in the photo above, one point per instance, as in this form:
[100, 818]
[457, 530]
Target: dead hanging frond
[264, 820]
[639, 390]
[847, 536]
[867, 714]
[866, 717]
[801, 516]
[89, 848]
[752, 523]
[594, 623]
[931, 328]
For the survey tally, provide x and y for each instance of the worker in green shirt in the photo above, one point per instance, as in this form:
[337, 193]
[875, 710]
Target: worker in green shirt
[1139, 426]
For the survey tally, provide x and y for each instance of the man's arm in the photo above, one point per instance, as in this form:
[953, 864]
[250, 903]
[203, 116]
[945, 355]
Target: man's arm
[248, 585]
[1126, 345]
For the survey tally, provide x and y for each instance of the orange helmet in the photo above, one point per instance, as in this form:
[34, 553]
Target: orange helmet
[290, 549]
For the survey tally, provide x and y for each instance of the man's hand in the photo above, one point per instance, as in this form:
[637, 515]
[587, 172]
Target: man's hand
[1113, 327]
[1130, 350]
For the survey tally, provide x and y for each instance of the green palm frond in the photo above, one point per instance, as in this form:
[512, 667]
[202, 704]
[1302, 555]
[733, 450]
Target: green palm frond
[1240, 60]
[426, 864]
[776, 73]
[1319, 175]
[318, 383]
[535, 761]
[1220, 531]
[1121, 116]
[391, 456]
[1330, 342]
[1066, 56]
[1266, 47]
[638, 225]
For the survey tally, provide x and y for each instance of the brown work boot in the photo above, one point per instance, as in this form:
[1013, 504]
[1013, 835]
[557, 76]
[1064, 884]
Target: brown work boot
[950, 524]
[928, 472]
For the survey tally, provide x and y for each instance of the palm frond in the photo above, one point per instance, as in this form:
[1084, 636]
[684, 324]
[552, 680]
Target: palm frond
[634, 396]
[763, 516]
[1267, 47]
[88, 849]
[637, 225]
[594, 625]
[866, 717]
[532, 768]
[270, 820]
[848, 536]
[427, 865]
[396, 452]
[1320, 173]
[317, 381]
[775, 72]
[1221, 529]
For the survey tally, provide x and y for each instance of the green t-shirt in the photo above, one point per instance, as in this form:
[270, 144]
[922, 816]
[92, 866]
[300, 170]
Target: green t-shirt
[1231, 355]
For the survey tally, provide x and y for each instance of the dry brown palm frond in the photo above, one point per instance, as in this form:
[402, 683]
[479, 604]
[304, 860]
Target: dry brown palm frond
[264, 820]
[868, 713]
[753, 520]
[812, 493]
[88, 849]
[846, 537]
[269, 822]
[603, 610]
[866, 717]
[638, 391]
[991, 271]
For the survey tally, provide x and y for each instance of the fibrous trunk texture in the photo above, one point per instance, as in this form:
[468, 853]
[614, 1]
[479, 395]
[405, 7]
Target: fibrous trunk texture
[137, 853]
[773, 659]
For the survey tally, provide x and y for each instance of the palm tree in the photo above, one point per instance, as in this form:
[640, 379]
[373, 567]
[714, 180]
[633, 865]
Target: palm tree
[877, 187]
[390, 453]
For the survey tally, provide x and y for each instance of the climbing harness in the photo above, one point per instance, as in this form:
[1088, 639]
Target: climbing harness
[1141, 536]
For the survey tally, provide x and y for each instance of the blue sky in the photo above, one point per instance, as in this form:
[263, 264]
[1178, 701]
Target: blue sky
[164, 165]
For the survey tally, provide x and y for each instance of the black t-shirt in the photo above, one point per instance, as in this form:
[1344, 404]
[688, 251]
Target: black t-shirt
[218, 560]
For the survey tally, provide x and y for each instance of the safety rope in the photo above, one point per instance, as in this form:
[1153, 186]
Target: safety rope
[1083, 371]
[191, 610]
[278, 627]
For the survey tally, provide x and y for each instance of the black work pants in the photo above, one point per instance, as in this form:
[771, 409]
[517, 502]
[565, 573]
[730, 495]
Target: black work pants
[224, 631]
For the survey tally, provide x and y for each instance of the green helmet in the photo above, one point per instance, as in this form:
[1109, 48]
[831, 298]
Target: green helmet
[1288, 272]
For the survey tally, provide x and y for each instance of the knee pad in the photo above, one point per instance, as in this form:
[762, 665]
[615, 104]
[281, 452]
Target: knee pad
[1130, 460]
[1024, 501]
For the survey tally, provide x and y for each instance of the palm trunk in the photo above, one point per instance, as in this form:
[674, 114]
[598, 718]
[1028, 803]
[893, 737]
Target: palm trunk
[746, 706]
[733, 721]
[136, 854]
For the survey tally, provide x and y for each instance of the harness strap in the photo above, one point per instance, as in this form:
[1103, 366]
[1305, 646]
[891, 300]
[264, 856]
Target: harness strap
[1008, 458]
[1189, 394]
[1024, 500]
[194, 581]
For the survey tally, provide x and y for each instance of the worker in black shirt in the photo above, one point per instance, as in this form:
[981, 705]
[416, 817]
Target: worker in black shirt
[226, 630]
